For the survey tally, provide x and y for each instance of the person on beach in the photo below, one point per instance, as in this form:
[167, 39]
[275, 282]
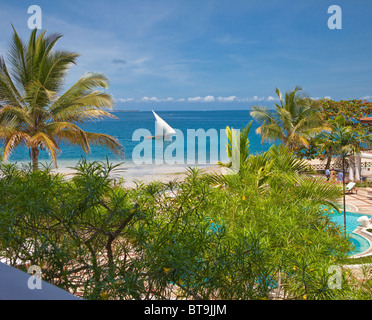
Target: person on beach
[328, 174]
[333, 175]
[340, 176]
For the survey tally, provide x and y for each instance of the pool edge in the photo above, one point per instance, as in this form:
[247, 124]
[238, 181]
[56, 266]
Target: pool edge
[366, 235]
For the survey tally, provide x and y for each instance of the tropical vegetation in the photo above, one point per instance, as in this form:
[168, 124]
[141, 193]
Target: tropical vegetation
[33, 110]
[263, 232]
[293, 121]
[351, 112]
[342, 140]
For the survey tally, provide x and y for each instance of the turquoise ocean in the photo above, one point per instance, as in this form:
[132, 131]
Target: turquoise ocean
[127, 123]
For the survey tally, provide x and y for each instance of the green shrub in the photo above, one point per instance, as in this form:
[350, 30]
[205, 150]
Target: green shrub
[180, 239]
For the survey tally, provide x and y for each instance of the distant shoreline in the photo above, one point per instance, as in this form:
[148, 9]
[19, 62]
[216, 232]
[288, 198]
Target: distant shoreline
[125, 111]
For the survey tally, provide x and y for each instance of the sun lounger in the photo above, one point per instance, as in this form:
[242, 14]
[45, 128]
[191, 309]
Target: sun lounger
[350, 187]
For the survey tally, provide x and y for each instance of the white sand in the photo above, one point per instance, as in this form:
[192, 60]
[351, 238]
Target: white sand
[132, 173]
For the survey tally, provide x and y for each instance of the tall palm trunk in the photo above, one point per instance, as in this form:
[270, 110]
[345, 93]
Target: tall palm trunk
[343, 188]
[35, 158]
[329, 160]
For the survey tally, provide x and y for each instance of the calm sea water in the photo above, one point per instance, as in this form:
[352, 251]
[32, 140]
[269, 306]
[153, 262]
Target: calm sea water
[128, 122]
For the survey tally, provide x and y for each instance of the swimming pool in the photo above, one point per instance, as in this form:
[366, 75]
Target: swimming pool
[361, 244]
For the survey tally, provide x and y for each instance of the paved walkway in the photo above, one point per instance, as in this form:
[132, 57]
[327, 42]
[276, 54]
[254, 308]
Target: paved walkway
[360, 202]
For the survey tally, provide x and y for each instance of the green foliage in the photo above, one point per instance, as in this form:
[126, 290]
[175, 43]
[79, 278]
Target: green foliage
[364, 184]
[293, 122]
[337, 114]
[237, 145]
[186, 238]
[351, 110]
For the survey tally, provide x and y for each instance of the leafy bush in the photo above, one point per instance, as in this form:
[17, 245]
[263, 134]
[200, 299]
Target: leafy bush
[251, 236]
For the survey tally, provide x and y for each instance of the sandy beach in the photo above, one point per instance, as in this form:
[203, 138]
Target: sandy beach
[132, 173]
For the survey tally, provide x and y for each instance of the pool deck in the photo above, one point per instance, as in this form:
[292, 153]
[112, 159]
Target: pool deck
[361, 202]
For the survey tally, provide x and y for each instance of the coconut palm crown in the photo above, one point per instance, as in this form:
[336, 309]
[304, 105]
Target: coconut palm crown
[33, 110]
[294, 121]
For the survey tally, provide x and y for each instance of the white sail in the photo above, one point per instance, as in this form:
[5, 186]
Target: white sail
[162, 128]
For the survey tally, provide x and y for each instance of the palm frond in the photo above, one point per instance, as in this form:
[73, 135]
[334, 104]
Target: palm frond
[41, 138]
[105, 140]
[318, 190]
[80, 98]
[12, 141]
[280, 96]
[293, 121]
[54, 67]
[262, 114]
[68, 133]
[11, 116]
[18, 60]
[286, 161]
[271, 132]
[8, 91]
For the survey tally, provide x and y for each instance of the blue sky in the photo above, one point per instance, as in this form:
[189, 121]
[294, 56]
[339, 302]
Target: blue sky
[204, 54]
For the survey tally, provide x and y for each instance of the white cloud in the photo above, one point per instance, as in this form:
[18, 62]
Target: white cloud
[125, 100]
[254, 99]
[209, 99]
[366, 97]
[148, 99]
[201, 99]
[317, 98]
[195, 99]
[155, 99]
[270, 98]
[227, 99]
[206, 99]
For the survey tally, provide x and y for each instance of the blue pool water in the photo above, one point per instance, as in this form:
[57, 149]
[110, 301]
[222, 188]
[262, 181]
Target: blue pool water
[360, 243]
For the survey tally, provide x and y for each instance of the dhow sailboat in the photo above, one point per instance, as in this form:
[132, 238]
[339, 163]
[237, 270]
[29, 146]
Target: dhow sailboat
[162, 129]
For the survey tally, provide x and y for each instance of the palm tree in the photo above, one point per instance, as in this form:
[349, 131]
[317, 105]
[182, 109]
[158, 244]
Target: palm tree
[293, 121]
[346, 140]
[33, 112]
[237, 146]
